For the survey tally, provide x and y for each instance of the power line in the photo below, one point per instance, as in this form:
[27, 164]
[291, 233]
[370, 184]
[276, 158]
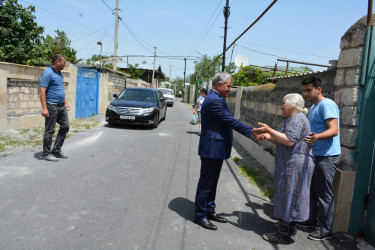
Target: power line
[109, 7]
[209, 20]
[251, 25]
[58, 15]
[94, 41]
[134, 36]
[297, 52]
[263, 53]
[206, 33]
[96, 31]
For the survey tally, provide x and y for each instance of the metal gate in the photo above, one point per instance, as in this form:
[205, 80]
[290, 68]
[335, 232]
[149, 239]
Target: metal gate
[370, 200]
[362, 217]
[87, 92]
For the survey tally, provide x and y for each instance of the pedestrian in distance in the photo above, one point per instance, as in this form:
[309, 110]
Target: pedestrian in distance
[54, 108]
[294, 166]
[215, 145]
[325, 140]
[198, 105]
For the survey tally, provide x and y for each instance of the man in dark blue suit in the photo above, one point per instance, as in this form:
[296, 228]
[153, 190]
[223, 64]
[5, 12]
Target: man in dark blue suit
[215, 145]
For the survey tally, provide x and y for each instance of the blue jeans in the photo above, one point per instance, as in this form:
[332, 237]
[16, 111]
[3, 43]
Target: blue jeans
[57, 114]
[321, 200]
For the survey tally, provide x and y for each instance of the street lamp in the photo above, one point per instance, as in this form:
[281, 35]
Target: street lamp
[100, 43]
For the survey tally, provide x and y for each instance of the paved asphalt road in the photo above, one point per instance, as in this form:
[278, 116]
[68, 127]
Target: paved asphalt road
[128, 188]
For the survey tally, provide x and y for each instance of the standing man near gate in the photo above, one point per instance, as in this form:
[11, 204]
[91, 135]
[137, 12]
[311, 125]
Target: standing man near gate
[215, 145]
[54, 108]
[325, 140]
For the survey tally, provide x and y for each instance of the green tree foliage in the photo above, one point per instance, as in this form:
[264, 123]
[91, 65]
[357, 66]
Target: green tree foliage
[22, 41]
[60, 44]
[205, 68]
[134, 71]
[179, 82]
[250, 76]
[20, 35]
[96, 59]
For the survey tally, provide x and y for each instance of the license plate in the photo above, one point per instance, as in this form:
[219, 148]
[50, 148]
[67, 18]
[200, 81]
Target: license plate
[127, 117]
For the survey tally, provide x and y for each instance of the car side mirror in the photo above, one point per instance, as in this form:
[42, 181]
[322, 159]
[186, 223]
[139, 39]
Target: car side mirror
[115, 96]
[162, 99]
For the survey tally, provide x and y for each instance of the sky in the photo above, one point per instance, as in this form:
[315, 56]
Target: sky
[300, 30]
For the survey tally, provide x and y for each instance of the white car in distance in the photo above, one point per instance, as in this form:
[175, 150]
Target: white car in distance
[168, 95]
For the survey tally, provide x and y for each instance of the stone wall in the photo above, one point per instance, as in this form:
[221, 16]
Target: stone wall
[22, 97]
[348, 89]
[19, 95]
[263, 103]
[189, 94]
[110, 83]
[113, 83]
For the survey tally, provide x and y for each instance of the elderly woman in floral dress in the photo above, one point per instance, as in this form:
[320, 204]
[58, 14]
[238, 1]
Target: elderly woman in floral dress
[294, 166]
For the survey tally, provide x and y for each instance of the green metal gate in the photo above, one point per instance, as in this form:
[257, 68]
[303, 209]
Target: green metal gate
[362, 219]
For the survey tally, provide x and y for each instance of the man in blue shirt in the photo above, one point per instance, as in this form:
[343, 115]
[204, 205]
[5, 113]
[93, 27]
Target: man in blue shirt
[325, 140]
[54, 108]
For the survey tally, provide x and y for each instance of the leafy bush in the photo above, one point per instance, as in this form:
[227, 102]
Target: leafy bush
[250, 76]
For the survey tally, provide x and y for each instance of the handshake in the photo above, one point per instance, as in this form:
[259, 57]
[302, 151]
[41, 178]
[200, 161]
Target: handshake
[262, 133]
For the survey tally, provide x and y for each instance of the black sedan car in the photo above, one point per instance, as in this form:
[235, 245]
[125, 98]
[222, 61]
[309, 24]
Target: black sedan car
[141, 106]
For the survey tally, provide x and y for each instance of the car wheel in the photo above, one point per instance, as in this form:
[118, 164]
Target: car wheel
[156, 121]
[110, 124]
[165, 114]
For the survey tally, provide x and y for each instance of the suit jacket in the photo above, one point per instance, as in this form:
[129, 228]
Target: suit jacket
[217, 124]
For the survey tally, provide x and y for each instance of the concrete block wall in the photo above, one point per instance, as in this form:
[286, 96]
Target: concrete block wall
[348, 91]
[263, 103]
[110, 83]
[19, 95]
[189, 94]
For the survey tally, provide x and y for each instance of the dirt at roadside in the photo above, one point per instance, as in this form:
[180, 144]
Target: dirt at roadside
[16, 140]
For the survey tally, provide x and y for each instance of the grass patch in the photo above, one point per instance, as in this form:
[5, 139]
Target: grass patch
[262, 180]
[236, 159]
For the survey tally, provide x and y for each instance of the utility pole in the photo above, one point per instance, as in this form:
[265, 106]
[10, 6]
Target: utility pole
[116, 38]
[226, 15]
[100, 44]
[184, 78]
[153, 69]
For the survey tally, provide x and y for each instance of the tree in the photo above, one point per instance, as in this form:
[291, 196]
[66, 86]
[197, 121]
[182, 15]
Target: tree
[95, 59]
[20, 35]
[179, 82]
[206, 67]
[59, 44]
[250, 76]
[135, 72]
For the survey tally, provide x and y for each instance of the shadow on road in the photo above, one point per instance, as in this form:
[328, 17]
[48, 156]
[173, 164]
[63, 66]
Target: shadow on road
[193, 133]
[39, 155]
[128, 126]
[183, 207]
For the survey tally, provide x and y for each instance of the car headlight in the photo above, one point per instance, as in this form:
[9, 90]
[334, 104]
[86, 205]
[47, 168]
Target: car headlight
[111, 107]
[148, 110]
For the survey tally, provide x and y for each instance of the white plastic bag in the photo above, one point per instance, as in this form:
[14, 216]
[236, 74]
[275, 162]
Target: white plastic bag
[194, 120]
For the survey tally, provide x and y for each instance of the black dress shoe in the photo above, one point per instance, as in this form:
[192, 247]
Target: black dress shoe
[216, 217]
[205, 223]
[60, 154]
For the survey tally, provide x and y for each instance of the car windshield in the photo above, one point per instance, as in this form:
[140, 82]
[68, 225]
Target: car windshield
[137, 95]
[167, 91]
